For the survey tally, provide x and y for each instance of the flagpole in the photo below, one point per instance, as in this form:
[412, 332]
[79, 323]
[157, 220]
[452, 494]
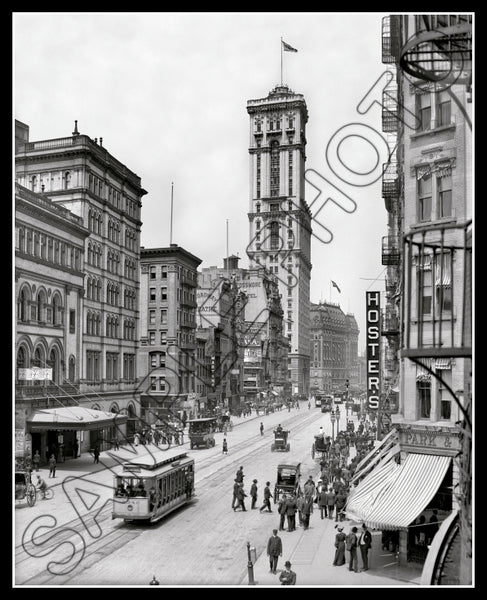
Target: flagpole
[281, 60]
[170, 228]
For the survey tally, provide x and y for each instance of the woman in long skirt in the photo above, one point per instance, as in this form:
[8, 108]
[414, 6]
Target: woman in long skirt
[340, 547]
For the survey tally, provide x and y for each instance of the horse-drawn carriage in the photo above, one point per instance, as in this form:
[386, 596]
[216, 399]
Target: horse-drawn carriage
[288, 480]
[24, 488]
[280, 442]
[320, 445]
[224, 423]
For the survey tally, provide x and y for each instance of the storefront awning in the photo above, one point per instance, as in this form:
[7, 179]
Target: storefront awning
[393, 495]
[73, 418]
[376, 454]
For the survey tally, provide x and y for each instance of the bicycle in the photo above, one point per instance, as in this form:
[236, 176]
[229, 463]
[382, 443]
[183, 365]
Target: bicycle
[45, 494]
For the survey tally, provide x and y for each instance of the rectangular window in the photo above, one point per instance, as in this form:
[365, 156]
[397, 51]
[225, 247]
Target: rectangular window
[443, 282]
[424, 398]
[153, 384]
[164, 293]
[443, 109]
[72, 321]
[164, 316]
[425, 286]
[153, 361]
[152, 317]
[152, 338]
[152, 273]
[424, 111]
[424, 198]
[444, 196]
[152, 294]
[164, 272]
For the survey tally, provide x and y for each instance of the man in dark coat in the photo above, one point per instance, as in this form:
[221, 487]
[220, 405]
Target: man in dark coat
[330, 502]
[322, 503]
[236, 486]
[253, 493]
[274, 550]
[240, 498]
[351, 545]
[267, 497]
[291, 508]
[287, 577]
[240, 475]
[281, 509]
[340, 501]
[364, 543]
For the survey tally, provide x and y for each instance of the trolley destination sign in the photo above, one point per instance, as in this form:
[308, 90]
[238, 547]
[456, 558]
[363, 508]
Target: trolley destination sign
[373, 349]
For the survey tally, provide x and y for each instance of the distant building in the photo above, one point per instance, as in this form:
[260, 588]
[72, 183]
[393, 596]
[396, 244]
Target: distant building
[333, 349]
[168, 345]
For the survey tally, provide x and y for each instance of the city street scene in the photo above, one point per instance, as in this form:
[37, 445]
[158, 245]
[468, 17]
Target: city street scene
[242, 248]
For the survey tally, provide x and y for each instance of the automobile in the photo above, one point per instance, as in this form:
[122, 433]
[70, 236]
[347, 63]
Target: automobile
[280, 440]
[288, 480]
[202, 432]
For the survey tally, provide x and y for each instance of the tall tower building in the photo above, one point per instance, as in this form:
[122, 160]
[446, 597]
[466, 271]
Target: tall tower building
[280, 219]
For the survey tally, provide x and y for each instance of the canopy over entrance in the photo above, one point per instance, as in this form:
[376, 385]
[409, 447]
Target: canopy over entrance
[73, 418]
[393, 495]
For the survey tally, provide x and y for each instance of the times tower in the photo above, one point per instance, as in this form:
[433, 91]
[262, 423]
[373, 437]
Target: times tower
[279, 218]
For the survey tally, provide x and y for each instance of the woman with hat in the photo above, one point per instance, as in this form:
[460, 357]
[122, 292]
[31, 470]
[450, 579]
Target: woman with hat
[287, 577]
[340, 547]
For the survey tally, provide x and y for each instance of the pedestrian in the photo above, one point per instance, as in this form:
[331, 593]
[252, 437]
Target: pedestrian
[274, 550]
[351, 545]
[310, 487]
[340, 501]
[322, 503]
[240, 475]
[291, 508]
[52, 466]
[267, 498]
[36, 459]
[236, 485]
[240, 498]
[307, 510]
[299, 506]
[96, 454]
[309, 405]
[340, 538]
[224, 446]
[281, 509]
[261, 428]
[364, 543]
[136, 439]
[330, 502]
[253, 493]
[75, 448]
[287, 577]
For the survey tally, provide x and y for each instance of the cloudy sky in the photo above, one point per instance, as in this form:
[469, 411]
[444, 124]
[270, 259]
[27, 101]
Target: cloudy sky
[167, 92]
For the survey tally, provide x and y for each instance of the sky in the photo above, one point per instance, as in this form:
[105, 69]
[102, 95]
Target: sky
[168, 92]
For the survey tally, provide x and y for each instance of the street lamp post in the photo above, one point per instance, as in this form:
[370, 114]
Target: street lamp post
[250, 566]
[332, 417]
[338, 419]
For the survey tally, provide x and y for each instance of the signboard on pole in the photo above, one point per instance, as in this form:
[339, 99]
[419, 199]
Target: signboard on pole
[373, 350]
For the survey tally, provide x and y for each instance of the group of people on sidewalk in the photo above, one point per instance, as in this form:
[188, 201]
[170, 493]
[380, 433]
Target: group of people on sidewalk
[352, 542]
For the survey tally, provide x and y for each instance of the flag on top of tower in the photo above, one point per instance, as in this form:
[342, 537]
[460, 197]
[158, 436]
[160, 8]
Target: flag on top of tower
[287, 47]
[335, 285]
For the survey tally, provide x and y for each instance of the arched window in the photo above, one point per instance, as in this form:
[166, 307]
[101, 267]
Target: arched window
[22, 306]
[89, 323]
[67, 179]
[53, 363]
[21, 364]
[89, 288]
[41, 306]
[38, 361]
[33, 183]
[56, 310]
[71, 369]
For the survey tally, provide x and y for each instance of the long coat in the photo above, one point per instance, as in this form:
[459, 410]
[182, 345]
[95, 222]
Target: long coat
[274, 546]
[291, 506]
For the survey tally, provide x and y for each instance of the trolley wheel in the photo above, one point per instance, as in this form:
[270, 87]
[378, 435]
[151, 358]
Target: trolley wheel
[31, 495]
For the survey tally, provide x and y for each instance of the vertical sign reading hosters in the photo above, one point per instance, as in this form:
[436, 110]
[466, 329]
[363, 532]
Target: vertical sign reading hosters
[373, 350]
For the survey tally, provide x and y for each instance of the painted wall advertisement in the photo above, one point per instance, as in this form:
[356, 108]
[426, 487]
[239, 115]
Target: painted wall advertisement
[373, 349]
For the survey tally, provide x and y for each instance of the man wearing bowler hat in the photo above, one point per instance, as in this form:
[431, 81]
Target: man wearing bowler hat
[287, 577]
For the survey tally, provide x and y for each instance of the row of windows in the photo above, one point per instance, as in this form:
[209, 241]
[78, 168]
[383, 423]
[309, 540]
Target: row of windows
[37, 182]
[94, 254]
[276, 206]
[46, 247]
[153, 272]
[444, 399]
[93, 366]
[95, 221]
[273, 124]
[114, 229]
[39, 309]
[113, 261]
[434, 195]
[435, 284]
[433, 109]
[131, 239]
[93, 326]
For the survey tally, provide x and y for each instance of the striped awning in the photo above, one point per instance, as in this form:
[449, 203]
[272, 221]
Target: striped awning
[393, 495]
[421, 373]
[443, 363]
[376, 453]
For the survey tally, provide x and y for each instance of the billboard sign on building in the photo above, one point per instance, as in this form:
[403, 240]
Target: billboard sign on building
[373, 349]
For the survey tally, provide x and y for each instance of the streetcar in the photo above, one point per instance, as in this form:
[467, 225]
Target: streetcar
[150, 486]
[318, 400]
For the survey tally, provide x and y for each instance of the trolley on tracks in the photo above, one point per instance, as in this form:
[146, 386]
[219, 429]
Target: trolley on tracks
[149, 487]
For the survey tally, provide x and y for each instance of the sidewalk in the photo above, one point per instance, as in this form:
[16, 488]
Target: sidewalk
[311, 554]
